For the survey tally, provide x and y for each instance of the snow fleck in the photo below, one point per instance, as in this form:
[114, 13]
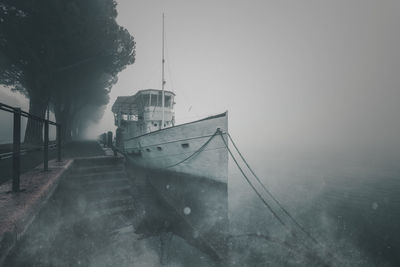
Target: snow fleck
[374, 206]
[187, 210]
[195, 234]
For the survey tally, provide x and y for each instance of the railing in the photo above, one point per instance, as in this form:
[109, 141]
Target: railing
[106, 139]
[17, 152]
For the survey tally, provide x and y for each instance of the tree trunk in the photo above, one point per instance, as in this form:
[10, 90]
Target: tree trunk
[63, 116]
[81, 129]
[75, 126]
[34, 128]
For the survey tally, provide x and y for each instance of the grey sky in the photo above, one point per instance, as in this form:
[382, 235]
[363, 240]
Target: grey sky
[289, 72]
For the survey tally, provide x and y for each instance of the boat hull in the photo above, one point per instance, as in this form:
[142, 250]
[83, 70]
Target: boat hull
[194, 208]
[185, 169]
[193, 148]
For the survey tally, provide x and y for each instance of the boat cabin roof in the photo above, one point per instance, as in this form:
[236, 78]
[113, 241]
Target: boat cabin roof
[130, 105]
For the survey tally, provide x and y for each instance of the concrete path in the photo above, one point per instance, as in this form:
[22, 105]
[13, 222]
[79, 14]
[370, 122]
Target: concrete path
[18, 210]
[32, 159]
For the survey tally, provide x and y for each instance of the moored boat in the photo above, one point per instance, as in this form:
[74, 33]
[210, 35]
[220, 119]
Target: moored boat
[193, 148]
[185, 165]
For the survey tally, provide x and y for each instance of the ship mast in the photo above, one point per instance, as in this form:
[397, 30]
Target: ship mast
[163, 80]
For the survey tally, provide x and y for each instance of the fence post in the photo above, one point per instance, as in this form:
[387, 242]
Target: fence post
[104, 139]
[16, 149]
[109, 139]
[58, 142]
[46, 146]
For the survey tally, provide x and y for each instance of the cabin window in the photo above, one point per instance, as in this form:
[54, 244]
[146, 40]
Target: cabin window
[146, 100]
[153, 100]
[185, 145]
[159, 148]
[167, 100]
[132, 118]
[159, 99]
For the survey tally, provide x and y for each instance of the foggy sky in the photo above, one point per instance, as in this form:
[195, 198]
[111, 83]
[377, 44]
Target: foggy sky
[291, 73]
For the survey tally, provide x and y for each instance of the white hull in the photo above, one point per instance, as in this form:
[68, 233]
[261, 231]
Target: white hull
[174, 149]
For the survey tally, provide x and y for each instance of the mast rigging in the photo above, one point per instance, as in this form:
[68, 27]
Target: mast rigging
[163, 79]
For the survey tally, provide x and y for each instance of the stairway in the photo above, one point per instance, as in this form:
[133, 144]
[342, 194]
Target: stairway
[101, 189]
[100, 216]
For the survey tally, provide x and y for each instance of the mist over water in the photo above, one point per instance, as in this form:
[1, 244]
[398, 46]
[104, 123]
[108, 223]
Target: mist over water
[348, 203]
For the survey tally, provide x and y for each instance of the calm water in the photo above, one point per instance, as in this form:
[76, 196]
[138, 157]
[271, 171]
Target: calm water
[350, 204]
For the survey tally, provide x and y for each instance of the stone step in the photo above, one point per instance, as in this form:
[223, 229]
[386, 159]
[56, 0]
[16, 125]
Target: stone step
[109, 188]
[106, 218]
[96, 213]
[103, 185]
[104, 175]
[102, 160]
[99, 194]
[111, 204]
[97, 169]
[111, 199]
[105, 180]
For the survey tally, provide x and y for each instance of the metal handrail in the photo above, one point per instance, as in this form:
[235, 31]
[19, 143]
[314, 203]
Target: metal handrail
[17, 152]
[7, 155]
[25, 114]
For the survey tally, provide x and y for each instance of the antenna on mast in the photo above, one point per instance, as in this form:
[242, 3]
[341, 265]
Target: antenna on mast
[163, 80]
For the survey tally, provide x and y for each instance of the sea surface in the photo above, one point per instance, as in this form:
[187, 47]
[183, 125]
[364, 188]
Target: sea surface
[350, 203]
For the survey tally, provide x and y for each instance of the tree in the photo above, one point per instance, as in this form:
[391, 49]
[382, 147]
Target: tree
[26, 60]
[57, 51]
[92, 91]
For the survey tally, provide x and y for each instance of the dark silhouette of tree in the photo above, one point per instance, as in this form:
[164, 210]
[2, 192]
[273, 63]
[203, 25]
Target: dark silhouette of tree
[63, 53]
[91, 90]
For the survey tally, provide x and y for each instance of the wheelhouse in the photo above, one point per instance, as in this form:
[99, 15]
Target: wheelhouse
[143, 112]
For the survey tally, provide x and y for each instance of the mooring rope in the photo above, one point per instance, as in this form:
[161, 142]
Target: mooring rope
[251, 185]
[260, 196]
[195, 152]
[272, 196]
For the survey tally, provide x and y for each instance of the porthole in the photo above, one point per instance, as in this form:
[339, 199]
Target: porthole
[148, 149]
[185, 145]
[159, 148]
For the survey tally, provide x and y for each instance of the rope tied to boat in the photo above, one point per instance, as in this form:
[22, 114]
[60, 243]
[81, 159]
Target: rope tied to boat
[271, 195]
[308, 234]
[251, 185]
[198, 151]
[265, 189]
